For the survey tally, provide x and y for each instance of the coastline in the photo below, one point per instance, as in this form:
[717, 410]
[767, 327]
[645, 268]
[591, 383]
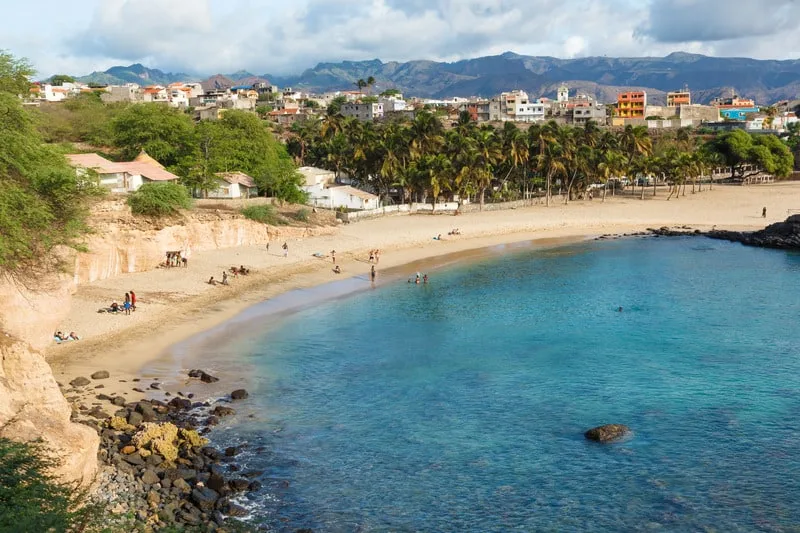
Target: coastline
[126, 351]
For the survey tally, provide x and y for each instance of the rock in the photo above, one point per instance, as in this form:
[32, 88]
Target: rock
[147, 411]
[233, 451]
[155, 385]
[205, 498]
[79, 382]
[221, 411]
[203, 376]
[216, 482]
[101, 374]
[254, 486]
[149, 477]
[212, 453]
[133, 459]
[119, 401]
[212, 420]
[180, 404]
[239, 394]
[231, 509]
[99, 414]
[127, 450]
[239, 485]
[607, 433]
[181, 485]
[135, 418]
[104, 397]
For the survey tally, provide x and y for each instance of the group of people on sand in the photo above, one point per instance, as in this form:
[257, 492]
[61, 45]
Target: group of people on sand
[419, 278]
[374, 256]
[127, 307]
[60, 337]
[236, 271]
[454, 231]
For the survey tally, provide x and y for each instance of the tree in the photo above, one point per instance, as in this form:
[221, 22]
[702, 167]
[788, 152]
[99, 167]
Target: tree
[370, 83]
[61, 79]
[33, 500]
[747, 155]
[163, 132]
[42, 201]
[335, 105]
[15, 74]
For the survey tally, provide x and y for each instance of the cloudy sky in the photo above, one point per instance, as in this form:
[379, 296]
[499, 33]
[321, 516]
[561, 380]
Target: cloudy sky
[288, 36]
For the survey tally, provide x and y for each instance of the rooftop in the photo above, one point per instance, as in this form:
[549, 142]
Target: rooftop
[237, 177]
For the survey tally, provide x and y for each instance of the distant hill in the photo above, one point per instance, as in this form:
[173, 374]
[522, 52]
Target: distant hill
[136, 73]
[766, 81]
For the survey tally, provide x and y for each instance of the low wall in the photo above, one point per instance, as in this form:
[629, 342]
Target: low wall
[443, 208]
[232, 203]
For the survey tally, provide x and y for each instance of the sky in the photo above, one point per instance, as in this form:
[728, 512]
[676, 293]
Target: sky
[284, 37]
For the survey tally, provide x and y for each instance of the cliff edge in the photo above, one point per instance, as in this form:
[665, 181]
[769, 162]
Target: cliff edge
[31, 404]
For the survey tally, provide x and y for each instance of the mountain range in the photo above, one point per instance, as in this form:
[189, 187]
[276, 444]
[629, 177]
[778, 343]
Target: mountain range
[765, 81]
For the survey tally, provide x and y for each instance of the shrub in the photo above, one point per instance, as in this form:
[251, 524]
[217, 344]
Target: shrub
[265, 214]
[159, 199]
[32, 500]
[302, 215]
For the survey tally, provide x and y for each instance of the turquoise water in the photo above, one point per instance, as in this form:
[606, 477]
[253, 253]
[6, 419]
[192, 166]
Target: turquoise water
[460, 406]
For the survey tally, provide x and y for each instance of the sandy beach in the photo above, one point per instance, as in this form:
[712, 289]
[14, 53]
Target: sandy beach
[173, 304]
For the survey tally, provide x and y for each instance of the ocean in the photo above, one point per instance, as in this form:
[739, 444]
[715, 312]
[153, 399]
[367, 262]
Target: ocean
[460, 405]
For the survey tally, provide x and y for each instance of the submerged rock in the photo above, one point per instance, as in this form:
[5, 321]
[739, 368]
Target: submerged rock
[239, 394]
[607, 433]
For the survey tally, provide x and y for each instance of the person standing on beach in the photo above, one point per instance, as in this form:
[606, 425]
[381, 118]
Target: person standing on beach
[371, 256]
[285, 250]
[133, 301]
[268, 247]
[764, 213]
[333, 256]
[377, 256]
[224, 278]
[372, 273]
[127, 304]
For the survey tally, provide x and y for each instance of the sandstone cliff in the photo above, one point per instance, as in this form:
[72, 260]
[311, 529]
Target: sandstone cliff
[31, 404]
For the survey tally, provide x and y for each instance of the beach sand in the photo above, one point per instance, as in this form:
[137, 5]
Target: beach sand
[173, 304]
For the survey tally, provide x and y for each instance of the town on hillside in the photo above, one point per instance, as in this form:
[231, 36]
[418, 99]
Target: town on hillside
[285, 106]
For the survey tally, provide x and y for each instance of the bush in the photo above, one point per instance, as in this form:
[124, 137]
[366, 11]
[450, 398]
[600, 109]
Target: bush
[32, 500]
[265, 214]
[159, 199]
[302, 215]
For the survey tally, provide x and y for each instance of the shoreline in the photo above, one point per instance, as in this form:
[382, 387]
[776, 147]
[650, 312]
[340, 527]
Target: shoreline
[168, 316]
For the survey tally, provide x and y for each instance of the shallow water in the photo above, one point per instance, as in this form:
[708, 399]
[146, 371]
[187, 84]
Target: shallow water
[460, 406]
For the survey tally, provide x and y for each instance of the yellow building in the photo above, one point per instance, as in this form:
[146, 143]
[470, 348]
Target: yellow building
[631, 104]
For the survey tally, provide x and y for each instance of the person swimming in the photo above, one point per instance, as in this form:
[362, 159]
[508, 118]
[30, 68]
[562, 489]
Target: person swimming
[620, 309]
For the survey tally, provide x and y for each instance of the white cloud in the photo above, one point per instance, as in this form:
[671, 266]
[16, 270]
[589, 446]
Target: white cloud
[280, 37]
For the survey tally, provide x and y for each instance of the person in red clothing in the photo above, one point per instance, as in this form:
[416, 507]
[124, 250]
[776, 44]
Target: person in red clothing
[133, 301]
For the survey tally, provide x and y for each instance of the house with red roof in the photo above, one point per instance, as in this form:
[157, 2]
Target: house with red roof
[121, 178]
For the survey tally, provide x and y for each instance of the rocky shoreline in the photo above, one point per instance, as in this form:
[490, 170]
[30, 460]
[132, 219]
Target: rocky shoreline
[157, 467]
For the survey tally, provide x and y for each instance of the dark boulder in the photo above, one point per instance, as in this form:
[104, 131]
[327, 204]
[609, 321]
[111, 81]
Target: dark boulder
[203, 376]
[782, 235]
[239, 394]
[180, 404]
[221, 411]
[135, 418]
[239, 484]
[79, 382]
[216, 482]
[119, 401]
[147, 411]
[607, 433]
[101, 374]
[205, 498]
[231, 509]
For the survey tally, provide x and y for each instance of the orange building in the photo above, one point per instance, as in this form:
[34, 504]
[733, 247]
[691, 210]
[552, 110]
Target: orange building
[631, 104]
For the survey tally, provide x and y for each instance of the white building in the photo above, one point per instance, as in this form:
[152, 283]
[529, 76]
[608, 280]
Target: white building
[392, 103]
[155, 94]
[234, 185]
[320, 184]
[517, 106]
[122, 177]
[363, 112]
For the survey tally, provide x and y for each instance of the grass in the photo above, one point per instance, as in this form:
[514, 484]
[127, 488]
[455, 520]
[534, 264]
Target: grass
[266, 214]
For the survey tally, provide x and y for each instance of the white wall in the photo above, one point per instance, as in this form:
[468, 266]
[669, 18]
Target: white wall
[226, 190]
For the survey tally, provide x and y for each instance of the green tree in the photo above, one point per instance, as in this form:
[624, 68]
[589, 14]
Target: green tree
[31, 499]
[747, 155]
[159, 199]
[15, 74]
[42, 203]
[335, 105]
[163, 132]
[61, 79]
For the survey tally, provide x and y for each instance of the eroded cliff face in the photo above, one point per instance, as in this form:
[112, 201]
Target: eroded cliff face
[31, 404]
[118, 247]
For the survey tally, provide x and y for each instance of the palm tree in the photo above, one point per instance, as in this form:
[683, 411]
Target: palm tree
[361, 84]
[369, 83]
[610, 165]
[488, 155]
[635, 142]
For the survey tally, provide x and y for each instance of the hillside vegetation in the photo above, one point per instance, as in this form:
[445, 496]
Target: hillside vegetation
[42, 204]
